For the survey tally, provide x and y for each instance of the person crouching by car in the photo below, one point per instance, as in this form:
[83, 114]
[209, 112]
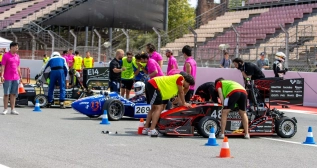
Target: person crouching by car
[158, 91]
[139, 90]
[59, 70]
[207, 92]
[230, 94]
[278, 69]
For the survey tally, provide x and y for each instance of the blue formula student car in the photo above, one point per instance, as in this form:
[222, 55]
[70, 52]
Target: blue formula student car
[116, 106]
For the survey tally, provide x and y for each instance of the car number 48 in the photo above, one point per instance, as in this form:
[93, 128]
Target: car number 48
[142, 109]
[216, 114]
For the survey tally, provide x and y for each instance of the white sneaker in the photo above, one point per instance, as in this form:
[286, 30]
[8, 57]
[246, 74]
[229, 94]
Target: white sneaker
[153, 133]
[247, 136]
[5, 111]
[14, 112]
[145, 131]
[221, 136]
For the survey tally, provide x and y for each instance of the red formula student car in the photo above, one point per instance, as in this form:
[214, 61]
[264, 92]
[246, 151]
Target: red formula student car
[182, 121]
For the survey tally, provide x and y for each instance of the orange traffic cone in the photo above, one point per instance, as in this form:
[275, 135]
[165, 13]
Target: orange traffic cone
[141, 126]
[21, 88]
[225, 151]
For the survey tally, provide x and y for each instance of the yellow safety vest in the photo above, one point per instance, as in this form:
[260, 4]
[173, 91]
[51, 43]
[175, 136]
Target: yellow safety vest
[1, 57]
[44, 60]
[78, 60]
[167, 85]
[88, 62]
[135, 65]
[129, 72]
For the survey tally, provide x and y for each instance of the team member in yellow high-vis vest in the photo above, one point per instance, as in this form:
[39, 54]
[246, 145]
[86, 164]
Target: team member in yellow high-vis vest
[88, 61]
[45, 59]
[127, 76]
[159, 90]
[77, 62]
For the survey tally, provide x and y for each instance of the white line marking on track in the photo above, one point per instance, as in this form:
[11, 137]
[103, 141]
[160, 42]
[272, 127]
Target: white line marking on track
[272, 139]
[3, 166]
[1, 97]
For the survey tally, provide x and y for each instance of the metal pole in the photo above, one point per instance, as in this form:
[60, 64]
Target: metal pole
[33, 45]
[158, 40]
[166, 16]
[195, 41]
[237, 40]
[53, 39]
[15, 37]
[92, 37]
[128, 39]
[86, 38]
[99, 44]
[75, 39]
[286, 45]
[110, 40]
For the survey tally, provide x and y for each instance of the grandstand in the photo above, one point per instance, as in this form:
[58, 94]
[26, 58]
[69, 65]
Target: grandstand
[257, 22]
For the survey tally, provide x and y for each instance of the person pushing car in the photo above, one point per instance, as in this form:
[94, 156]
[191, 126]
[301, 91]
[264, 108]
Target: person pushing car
[59, 70]
[207, 91]
[158, 91]
[230, 94]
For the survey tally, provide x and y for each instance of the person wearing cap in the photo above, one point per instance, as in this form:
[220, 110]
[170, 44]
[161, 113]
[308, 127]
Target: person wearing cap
[263, 63]
[59, 71]
[278, 68]
[172, 62]
[226, 62]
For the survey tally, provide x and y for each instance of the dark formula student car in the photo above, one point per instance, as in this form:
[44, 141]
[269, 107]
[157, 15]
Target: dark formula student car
[202, 116]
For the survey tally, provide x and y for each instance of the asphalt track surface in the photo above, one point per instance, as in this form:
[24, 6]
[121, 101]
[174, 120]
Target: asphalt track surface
[65, 138]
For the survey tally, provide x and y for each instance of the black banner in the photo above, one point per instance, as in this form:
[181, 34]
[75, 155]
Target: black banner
[96, 78]
[288, 91]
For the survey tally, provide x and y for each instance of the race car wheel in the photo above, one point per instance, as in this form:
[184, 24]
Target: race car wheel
[42, 100]
[285, 127]
[205, 124]
[115, 109]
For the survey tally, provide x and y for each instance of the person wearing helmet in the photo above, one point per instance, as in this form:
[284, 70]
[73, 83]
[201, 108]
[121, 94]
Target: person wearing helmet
[139, 90]
[59, 70]
[279, 70]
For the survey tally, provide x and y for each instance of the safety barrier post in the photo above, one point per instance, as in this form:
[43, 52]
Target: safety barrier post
[195, 41]
[75, 39]
[237, 41]
[128, 38]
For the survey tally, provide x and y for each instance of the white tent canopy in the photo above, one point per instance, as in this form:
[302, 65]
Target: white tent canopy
[5, 43]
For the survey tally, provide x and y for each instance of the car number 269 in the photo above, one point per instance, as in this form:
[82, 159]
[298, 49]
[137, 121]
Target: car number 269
[142, 109]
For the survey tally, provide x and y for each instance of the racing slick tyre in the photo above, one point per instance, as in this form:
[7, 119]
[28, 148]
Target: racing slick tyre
[204, 125]
[285, 127]
[115, 109]
[42, 100]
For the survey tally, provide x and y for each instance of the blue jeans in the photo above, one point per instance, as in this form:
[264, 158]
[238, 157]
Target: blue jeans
[11, 87]
[114, 86]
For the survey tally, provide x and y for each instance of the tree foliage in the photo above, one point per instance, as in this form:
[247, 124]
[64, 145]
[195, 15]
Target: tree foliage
[179, 13]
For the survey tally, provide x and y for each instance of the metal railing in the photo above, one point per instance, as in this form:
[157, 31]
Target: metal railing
[235, 4]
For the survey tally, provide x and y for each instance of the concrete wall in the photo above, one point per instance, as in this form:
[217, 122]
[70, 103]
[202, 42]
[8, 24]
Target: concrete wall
[211, 74]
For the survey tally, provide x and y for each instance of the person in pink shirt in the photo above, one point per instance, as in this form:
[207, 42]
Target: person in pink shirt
[150, 49]
[172, 62]
[70, 58]
[153, 68]
[11, 77]
[190, 67]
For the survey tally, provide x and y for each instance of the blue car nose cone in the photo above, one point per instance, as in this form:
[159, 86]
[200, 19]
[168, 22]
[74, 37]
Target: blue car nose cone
[75, 105]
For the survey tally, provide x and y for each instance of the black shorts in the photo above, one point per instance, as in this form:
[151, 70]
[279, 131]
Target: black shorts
[189, 95]
[127, 83]
[153, 96]
[236, 98]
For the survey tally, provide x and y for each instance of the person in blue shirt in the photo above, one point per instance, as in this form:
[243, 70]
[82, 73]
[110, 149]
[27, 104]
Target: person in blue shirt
[139, 89]
[58, 73]
[140, 72]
